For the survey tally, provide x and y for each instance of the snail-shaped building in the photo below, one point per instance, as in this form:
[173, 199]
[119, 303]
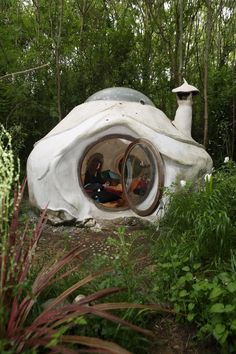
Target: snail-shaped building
[113, 155]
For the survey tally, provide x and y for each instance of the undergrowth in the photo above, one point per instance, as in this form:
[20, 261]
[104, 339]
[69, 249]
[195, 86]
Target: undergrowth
[195, 256]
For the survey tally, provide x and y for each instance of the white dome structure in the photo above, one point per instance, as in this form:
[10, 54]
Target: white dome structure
[142, 152]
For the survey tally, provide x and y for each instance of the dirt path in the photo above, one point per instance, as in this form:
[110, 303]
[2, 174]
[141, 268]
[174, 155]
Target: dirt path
[91, 236]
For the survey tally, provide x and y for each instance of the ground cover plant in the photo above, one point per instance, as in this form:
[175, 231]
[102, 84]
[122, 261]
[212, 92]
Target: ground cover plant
[56, 328]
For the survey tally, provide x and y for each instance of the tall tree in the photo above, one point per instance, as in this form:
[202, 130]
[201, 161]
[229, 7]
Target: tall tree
[57, 55]
[180, 39]
[206, 64]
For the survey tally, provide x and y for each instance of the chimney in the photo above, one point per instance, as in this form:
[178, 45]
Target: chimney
[183, 115]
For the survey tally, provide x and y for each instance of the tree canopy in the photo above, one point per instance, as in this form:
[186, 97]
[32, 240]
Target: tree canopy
[56, 53]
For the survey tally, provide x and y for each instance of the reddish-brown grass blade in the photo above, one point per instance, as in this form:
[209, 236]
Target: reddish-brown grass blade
[95, 343]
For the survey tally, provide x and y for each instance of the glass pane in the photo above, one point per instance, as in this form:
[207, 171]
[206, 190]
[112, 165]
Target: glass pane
[100, 172]
[141, 178]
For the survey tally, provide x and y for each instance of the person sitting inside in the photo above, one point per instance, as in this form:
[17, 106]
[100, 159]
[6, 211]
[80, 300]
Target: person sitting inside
[94, 184]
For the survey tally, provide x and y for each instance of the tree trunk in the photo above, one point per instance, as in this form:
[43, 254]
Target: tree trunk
[206, 59]
[233, 110]
[180, 41]
[57, 55]
[233, 129]
[37, 17]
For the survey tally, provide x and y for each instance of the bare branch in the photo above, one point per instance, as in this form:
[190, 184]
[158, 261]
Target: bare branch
[24, 71]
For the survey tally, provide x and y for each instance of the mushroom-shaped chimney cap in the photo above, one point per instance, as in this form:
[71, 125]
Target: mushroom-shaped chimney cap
[186, 88]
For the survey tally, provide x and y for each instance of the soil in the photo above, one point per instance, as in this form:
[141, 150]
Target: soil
[171, 337]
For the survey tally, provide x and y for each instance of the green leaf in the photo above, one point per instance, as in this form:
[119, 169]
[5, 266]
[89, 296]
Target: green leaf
[177, 308]
[217, 308]
[189, 276]
[183, 293]
[229, 308]
[190, 317]
[224, 277]
[219, 328]
[224, 337]
[181, 281]
[191, 306]
[215, 293]
[220, 333]
[206, 328]
[196, 266]
[221, 337]
[186, 269]
[233, 325]
[202, 285]
[231, 287]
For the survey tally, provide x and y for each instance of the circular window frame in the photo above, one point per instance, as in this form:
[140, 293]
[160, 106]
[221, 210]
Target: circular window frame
[160, 172]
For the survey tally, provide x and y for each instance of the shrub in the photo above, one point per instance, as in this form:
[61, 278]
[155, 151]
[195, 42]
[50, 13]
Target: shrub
[201, 295]
[204, 219]
[195, 256]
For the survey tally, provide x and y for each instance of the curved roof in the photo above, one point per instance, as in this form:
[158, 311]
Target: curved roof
[120, 94]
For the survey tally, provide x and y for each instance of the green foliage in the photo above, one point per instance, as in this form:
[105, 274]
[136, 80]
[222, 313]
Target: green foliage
[8, 174]
[206, 298]
[204, 218]
[138, 44]
[195, 258]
